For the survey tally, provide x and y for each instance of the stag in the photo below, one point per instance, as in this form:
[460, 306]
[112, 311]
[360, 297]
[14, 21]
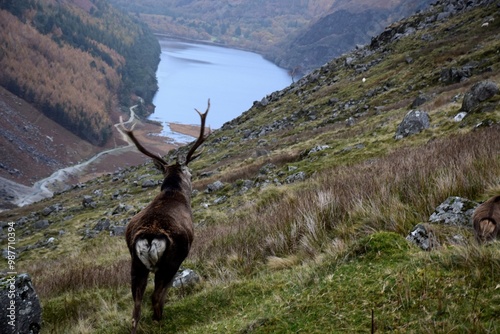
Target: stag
[485, 220]
[159, 236]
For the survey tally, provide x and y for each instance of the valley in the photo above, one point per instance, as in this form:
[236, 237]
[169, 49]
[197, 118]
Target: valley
[305, 205]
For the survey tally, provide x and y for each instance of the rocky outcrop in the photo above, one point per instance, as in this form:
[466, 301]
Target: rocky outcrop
[187, 278]
[453, 212]
[414, 122]
[21, 311]
[480, 92]
[423, 236]
[438, 11]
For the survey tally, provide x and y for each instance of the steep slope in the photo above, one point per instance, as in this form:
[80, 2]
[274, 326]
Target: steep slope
[72, 59]
[42, 146]
[65, 69]
[349, 24]
[303, 203]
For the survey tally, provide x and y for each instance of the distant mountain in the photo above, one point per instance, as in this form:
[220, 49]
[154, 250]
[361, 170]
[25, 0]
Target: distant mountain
[294, 34]
[254, 25]
[349, 23]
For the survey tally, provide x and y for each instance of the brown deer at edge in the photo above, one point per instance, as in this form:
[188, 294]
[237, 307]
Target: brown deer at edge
[159, 236]
[486, 220]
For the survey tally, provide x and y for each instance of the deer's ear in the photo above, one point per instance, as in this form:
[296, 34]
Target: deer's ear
[160, 166]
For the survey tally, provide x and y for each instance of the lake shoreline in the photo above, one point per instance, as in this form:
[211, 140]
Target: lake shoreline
[207, 42]
[190, 72]
[185, 129]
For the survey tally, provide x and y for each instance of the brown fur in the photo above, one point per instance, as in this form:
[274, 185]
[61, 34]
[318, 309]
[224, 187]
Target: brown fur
[166, 221]
[486, 220]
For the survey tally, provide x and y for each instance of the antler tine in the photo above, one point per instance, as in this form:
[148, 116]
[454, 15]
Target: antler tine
[201, 137]
[158, 161]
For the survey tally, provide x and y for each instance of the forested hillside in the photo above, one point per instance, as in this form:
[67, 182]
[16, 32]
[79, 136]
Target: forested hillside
[255, 25]
[73, 59]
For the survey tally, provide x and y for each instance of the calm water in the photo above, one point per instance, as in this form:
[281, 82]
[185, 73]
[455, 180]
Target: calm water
[189, 74]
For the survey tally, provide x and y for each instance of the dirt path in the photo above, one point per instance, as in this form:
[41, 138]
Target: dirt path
[104, 162]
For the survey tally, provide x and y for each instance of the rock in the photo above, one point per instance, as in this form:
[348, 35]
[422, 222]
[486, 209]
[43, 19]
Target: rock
[414, 122]
[20, 306]
[333, 101]
[121, 208]
[186, 278]
[267, 168]
[217, 185]
[454, 75]
[478, 93]
[48, 210]
[460, 116]
[88, 202]
[116, 195]
[220, 200]
[350, 148]
[318, 149]
[117, 231]
[350, 121]
[41, 224]
[442, 16]
[423, 237]
[248, 183]
[454, 211]
[300, 176]
[89, 234]
[53, 208]
[149, 184]
[206, 174]
[419, 100]
[102, 224]
[262, 103]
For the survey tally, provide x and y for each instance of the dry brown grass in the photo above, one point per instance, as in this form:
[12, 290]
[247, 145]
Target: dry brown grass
[392, 193]
[73, 275]
[247, 171]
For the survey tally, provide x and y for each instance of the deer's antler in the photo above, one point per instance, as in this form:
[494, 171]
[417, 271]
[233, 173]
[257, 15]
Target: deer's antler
[201, 138]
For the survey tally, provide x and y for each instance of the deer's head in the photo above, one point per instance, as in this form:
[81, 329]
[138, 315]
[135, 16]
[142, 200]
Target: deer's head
[177, 176]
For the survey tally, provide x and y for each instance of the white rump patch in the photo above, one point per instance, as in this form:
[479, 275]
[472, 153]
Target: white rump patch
[149, 254]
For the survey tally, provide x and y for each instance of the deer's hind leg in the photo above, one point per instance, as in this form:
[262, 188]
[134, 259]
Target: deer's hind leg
[163, 280]
[139, 275]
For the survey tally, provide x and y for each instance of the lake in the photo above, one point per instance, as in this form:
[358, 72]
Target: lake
[189, 74]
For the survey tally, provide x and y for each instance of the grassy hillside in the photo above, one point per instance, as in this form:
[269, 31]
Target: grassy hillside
[308, 232]
[72, 59]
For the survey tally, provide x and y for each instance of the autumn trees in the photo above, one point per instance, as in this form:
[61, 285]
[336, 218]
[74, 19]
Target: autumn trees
[73, 64]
